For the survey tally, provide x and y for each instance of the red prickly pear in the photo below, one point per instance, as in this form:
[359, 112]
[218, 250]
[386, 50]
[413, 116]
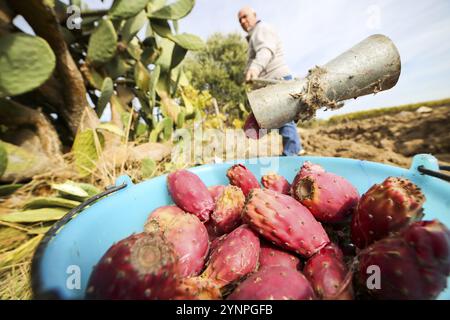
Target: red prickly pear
[396, 264]
[276, 183]
[431, 243]
[284, 221]
[190, 193]
[227, 213]
[329, 197]
[233, 257]
[386, 208]
[306, 169]
[216, 191]
[274, 283]
[413, 264]
[252, 129]
[216, 242]
[187, 234]
[327, 273]
[243, 178]
[140, 267]
[270, 255]
[197, 289]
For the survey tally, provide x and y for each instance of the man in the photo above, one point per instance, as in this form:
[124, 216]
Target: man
[266, 61]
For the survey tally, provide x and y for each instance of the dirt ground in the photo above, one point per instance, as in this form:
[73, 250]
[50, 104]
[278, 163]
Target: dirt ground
[392, 139]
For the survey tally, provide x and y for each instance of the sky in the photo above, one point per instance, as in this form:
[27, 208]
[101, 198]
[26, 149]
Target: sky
[313, 32]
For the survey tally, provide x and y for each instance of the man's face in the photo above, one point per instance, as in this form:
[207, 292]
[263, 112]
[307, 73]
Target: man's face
[247, 19]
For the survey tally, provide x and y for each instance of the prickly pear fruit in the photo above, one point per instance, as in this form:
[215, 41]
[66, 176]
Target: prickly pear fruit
[431, 242]
[329, 197]
[243, 178]
[412, 265]
[233, 257]
[216, 191]
[274, 283]
[197, 289]
[190, 193]
[276, 182]
[141, 267]
[227, 213]
[187, 235]
[327, 273]
[385, 208]
[252, 129]
[306, 169]
[270, 255]
[284, 221]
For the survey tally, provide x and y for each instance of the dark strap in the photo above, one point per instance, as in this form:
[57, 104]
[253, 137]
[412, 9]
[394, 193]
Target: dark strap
[436, 174]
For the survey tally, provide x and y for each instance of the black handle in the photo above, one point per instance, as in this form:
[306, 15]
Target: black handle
[38, 293]
[435, 174]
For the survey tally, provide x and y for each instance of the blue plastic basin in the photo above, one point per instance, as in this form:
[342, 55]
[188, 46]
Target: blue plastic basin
[81, 242]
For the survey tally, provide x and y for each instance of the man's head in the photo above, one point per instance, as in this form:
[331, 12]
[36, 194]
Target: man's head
[247, 18]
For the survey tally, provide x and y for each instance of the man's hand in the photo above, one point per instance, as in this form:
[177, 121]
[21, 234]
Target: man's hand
[251, 75]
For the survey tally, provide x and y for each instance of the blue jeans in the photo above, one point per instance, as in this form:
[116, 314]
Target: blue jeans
[291, 140]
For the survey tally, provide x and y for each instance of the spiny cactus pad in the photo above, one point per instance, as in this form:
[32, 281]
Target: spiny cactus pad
[103, 43]
[25, 63]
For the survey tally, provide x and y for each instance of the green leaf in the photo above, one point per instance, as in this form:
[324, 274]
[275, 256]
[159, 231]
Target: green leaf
[19, 159]
[134, 49]
[154, 5]
[105, 96]
[178, 55]
[102, 43]
[187, 104]
[112, 128]
[7, 189]
[148, 167]
[85, 152]
[117, 67]
[188, 41]
[36, 215]
[154, 78]
[3, 160]
[123, 9]
[167, 128]
[161, 27]
[26, 62]
[181, 118]
[185, 40]
[89, 188]
[173, 11]
[133, 25]
[70, 188]
[165, 58]
[45, 202]
[141, 76]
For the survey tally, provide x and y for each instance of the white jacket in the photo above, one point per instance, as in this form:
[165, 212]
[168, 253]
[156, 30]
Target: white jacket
[265, 52]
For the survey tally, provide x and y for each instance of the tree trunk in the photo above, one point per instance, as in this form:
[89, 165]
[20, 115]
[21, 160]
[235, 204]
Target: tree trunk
[17, 116]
